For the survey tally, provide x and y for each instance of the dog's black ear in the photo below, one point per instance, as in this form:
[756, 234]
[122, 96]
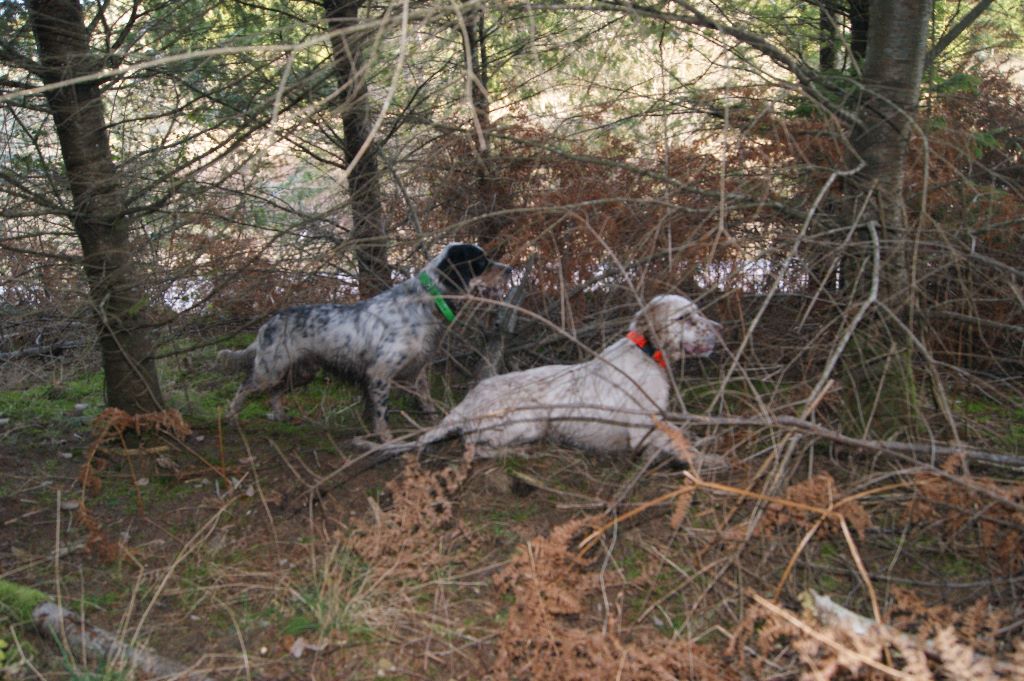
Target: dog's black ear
[461, 264]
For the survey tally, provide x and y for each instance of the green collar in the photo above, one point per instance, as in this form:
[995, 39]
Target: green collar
[442, 304]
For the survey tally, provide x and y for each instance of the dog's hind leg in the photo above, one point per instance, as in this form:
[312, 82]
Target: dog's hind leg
[267, 377]
[247, 388]
[299, 374]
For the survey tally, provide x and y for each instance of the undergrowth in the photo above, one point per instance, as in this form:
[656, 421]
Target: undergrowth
[694, 578]
[264, 529]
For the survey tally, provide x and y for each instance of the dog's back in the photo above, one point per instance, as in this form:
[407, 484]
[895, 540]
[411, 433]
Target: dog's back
[588, 405]
[352, 340]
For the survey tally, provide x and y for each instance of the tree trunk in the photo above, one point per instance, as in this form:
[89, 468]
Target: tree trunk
[886, 390]
[827, 36]
[488, 194]
[99, 202]
[891, 81]
[369, 234]
[860, 23]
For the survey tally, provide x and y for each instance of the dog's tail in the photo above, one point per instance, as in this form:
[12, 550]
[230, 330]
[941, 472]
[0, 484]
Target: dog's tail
[237, 360]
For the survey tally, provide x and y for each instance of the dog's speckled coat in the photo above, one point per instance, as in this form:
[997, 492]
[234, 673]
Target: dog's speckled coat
[375, 342]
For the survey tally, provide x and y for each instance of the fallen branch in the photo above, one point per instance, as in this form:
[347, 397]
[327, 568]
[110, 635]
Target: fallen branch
[64, 625]
[68, 629]
[831, 614]
[134, 451]
[913, 449]
[830, 641]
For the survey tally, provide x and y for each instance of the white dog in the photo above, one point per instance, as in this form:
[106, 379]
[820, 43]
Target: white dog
[604, 405]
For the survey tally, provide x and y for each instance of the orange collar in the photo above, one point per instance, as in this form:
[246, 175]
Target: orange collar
[648, 349]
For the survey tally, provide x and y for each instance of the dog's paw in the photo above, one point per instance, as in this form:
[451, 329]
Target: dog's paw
[704, 463]
[365, 444]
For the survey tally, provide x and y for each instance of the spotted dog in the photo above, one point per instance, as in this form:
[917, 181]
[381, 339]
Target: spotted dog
[390, 337]
[604, 405]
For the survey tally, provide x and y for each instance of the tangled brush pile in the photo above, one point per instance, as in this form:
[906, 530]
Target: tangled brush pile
[549, 638]
[417, 529]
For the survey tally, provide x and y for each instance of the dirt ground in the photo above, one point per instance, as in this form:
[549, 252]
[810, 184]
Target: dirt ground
[223, 549]
[269, 551]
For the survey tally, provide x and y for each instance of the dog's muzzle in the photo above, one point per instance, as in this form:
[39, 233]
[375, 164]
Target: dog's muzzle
[708, 342]
[698, 349]
[493, 281]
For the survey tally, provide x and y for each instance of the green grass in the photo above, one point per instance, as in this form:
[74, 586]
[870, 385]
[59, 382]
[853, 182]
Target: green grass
[835, 558]
[337, 602]
[122, 494]
[201, 390]
[500, 532]
[7, 655]
[42, 408]
[514, 513]
[500, 522]
[828, 551]
[632, 564]
[513, 464]
[827, 584]
[955, 567]
[116, 592]
[1002, 422]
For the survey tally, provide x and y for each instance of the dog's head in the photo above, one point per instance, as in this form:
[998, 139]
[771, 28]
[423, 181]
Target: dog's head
[465, 268]
[674, 325]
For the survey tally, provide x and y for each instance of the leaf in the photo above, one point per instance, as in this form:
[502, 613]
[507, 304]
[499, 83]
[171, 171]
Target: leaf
[983, 140]
[682, 505]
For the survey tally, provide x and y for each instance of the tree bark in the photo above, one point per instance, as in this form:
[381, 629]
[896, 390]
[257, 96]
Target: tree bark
[860, 24]
[99, 206]
[369, 234]
[891, 85]
[827, 35]
[886, 390]
[488, 195]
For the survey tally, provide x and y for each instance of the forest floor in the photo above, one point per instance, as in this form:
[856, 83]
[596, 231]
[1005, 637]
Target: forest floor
[266, 551]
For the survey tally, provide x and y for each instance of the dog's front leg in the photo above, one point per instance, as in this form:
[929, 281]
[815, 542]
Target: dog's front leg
[653, 442]
[377, 390]
[681, 451]
[422, 388]
[247, 388]
[236, 403]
